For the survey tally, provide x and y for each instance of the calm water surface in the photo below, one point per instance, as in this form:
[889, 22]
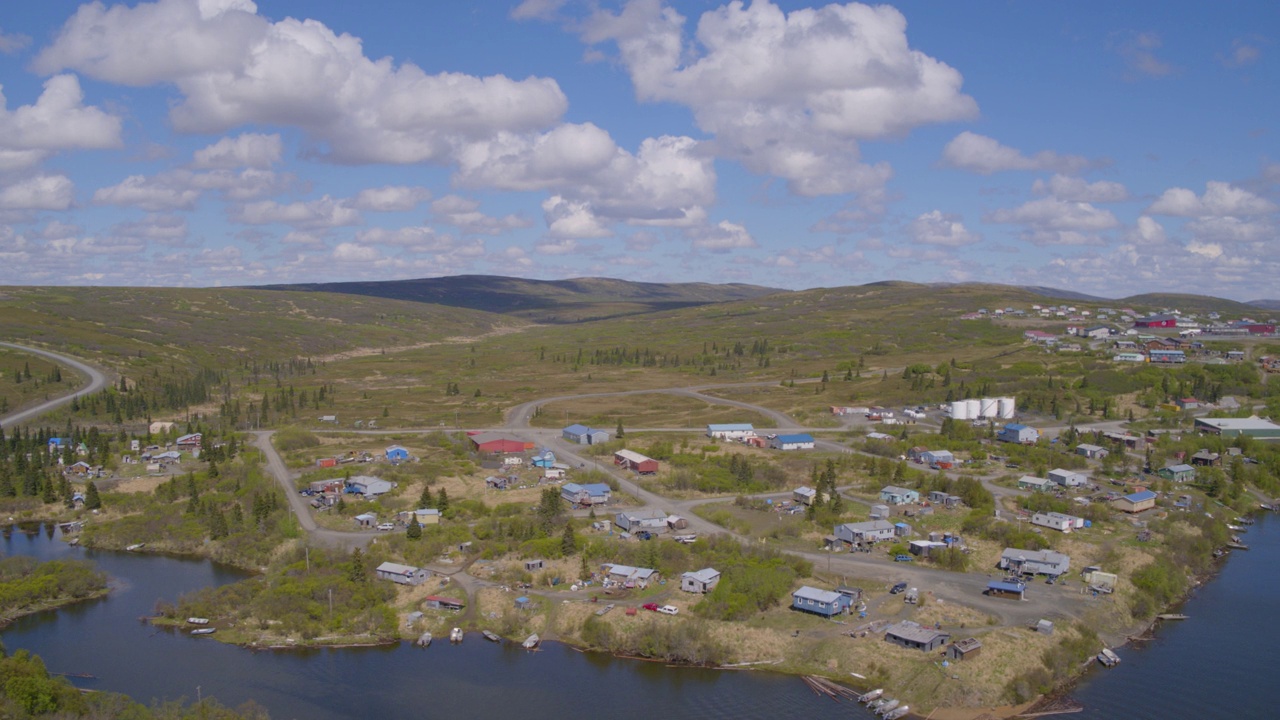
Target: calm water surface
[476, 679]
[1214, 665]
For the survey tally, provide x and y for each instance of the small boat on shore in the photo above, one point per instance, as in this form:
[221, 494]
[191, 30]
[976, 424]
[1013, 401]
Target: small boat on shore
[1173, 616]
[424, 640]
[491, 637]
[1237, 528]
[1107, 658]
[1245, 521]
[204, 631]
[197, 621]
[1237, 545]
[868, 697]
[532, 642]
[135, 547]
[605, 610]
[888, 707]
[455, 635]
[899, 713]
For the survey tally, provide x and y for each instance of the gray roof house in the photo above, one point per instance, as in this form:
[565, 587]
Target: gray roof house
[402, 574]
[369, 486]
[820, 602]
[634, 520]
[1068, 478]
[631, 576]
[700, 581]
[912, 635]
[1035, 562]
[870, 531]
[894, 495]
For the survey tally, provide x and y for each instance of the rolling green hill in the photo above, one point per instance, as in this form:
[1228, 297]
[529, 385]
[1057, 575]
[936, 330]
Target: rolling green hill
[544, 301]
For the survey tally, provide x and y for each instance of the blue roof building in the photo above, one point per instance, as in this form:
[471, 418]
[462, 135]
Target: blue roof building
[802, 441]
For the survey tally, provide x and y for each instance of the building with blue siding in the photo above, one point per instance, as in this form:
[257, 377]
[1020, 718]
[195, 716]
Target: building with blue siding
[826, 603]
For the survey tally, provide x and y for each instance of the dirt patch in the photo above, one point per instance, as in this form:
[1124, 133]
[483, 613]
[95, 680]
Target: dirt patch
[144, 483]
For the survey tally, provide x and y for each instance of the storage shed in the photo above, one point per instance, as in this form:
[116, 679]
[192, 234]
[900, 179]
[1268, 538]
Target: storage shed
[700, 581]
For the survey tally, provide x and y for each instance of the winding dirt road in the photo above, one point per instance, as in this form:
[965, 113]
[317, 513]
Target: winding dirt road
[97, 380]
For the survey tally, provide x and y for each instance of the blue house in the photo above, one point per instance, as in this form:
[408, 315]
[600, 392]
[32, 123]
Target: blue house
[1018, 433]
[395, 453]
[826, 603]
[584, 435]
[58, 443]
[894, 495]
[545, 460]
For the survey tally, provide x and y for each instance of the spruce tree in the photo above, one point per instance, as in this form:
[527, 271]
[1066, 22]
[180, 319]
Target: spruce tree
[414, 531]
[425, 500]
[568, 541]
[91, 498]
[355, 571]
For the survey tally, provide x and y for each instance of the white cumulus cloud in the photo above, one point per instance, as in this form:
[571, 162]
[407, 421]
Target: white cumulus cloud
[42, 192]
[1078, 189]
[567, 219]
[251, 150]
[234, 67]
[937, 228]
[985, 156]
[1219, 198]
[787, 94]
[324, 212]
[722, 237]
[390, 198]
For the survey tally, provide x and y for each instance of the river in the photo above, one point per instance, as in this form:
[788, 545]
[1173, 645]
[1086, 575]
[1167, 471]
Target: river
[1211, 666]
[476, 679]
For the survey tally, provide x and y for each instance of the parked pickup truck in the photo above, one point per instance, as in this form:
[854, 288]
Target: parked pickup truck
[686, 539]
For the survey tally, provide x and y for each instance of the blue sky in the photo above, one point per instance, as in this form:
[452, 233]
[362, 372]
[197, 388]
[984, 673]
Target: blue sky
[1094, 146]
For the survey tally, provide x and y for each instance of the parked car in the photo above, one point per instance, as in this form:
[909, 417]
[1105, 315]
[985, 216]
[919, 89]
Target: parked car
[903, 558]
[897, 588]
[386, 527]
[668, 609]
[650, 606]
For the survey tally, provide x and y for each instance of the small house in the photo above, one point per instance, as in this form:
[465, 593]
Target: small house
[545, 459]
[910, 634]
[1178, 473]
[947, 500]
[1034, 562]
[1093, 452]
[826, 603]
[628, 576]
[532, 565]
[800, 441]
[524, 603]
[964, 649]
[634, 520]
[366, 520]
[498, 482]
[369, 487]
[1136, 502]
[427, 516]
[402, 574]
[586, 495]
[700, 581]
[1068, 478]
[1044, 627]
[1061, 523]
[1206, 459]
[894, 495]
[1011, 589]
[327, 462]
[187, 442]
[880, 511]
[731, 431]
[804, 495]
[865, 533]
[938, 457]
[395, 454]
[1035, 484]
[1018, 433]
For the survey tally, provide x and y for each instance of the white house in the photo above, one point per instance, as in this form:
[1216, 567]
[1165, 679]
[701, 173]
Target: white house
[1030, 482]
[804, 495]
[1091, 451]
[369, 486]
[932, 457]
[1035, 562]
[652, 520]
[731, 431]
[1055, 521]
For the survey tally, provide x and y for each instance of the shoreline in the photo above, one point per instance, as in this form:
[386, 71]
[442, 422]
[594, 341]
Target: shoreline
[7, 619]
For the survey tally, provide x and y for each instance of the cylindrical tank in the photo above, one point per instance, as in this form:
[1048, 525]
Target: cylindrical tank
[1008, 407]
[974, 408]
[959, 410]
[989, 407]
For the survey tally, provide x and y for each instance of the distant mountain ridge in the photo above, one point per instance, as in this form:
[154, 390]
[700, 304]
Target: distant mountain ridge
[547, 301]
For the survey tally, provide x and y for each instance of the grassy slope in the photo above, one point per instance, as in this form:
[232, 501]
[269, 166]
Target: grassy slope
[549, 301]
[220, 327]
